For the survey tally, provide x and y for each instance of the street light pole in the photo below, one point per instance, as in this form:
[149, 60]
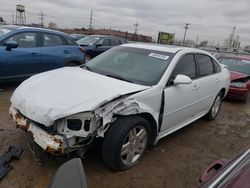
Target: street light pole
[186, 27]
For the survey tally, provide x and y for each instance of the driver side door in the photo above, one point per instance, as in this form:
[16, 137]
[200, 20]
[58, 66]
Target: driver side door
[22, 61]
[102, 46]
[180, 100]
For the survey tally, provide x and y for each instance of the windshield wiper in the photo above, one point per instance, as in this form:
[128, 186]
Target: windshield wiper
[119, 78]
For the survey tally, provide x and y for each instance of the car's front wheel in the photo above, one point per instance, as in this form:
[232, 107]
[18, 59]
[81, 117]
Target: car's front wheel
[125, 142]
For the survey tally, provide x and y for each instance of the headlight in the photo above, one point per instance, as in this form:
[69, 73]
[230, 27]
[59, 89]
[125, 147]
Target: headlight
[238, 84]
[81, 124]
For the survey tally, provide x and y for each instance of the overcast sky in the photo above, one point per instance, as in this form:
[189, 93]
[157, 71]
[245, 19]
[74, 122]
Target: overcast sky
[210, 19]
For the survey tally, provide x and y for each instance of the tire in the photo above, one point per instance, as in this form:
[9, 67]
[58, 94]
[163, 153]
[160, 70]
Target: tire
[132, 135]
[213, 112]
[87, 58]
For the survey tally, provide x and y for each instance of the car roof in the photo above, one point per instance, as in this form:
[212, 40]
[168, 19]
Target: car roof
[27, 28]
[163, 48]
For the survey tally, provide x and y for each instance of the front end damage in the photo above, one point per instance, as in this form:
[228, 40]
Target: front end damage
[76, 132]
[64, 136]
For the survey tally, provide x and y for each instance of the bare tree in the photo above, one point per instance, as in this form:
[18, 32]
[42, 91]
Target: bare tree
[52, 25]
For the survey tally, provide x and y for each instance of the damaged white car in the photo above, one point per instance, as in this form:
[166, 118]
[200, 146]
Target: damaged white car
[130, 96]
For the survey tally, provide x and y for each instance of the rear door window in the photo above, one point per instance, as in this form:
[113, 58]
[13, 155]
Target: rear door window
[205, 65]
[51, 40]
[217, 67]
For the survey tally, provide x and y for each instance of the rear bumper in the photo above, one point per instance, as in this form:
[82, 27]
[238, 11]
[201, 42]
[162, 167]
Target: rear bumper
[237, 93]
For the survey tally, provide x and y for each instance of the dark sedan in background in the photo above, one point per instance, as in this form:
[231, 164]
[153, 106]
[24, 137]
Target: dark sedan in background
[239, 67]
[76, 36]
[94, 45]
[25, 51]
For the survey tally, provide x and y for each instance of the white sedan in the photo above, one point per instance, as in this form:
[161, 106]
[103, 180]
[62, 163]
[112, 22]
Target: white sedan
[130, 96]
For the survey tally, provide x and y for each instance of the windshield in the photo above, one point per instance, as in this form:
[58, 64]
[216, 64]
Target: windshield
[4, 31]
[238, 65]
[89, 40]
[141, 66]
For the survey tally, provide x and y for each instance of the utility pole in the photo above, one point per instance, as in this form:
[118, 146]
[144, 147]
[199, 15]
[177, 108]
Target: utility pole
[90, 20]
[136, 30]
[186, 27]
[41, 17]
[197, 41]
[12, 18]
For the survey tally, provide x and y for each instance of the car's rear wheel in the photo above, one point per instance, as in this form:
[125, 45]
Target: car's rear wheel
[125, 142]
[213, 112]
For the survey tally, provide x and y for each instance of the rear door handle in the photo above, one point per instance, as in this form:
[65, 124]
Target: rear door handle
[196, 87]
[217, 79]
[34, 54]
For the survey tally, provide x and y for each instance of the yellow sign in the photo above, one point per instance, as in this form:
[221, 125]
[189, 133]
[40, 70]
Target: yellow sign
[165, 38]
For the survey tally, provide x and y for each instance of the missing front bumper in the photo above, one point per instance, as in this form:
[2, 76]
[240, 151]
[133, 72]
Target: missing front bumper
[49, 142]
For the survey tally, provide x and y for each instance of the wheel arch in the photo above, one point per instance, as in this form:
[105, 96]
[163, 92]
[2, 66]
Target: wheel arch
[150, 119]
[223, 92]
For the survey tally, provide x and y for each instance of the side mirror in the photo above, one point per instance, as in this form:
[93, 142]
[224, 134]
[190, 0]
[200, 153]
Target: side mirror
[70, 174]
[182, 79]
[11, 44]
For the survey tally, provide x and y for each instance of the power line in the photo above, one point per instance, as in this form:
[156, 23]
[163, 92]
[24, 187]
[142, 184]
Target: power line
[136, 30]
[41, 17]
[186, 27]
[136, 27]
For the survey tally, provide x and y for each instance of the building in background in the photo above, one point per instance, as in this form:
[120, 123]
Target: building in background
[117, 33]
[232, 41]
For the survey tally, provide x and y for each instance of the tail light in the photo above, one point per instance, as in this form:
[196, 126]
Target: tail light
[82, 49]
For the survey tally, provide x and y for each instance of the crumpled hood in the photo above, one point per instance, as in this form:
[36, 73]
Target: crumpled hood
[49, 96]
[237, 75]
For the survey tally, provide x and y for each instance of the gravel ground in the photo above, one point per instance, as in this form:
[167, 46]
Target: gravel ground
[176, 161]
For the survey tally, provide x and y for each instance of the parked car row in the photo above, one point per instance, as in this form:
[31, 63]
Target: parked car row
[26, 51]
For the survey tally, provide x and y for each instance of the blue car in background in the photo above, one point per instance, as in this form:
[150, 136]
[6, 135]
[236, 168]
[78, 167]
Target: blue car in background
[25, 51]
[94, 45]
